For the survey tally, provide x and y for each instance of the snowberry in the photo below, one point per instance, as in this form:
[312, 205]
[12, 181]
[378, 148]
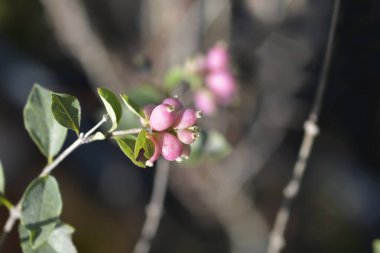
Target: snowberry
[187, 118]
[187, 136]
[174, 102]
[217, 58]
[205, 102]
[162, 117]
[156, 153]
[223, 85]
[171, 147]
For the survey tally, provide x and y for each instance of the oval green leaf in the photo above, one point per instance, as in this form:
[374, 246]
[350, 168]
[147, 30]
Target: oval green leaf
[132, 106]
[40, 209]
[60, 240]
[112, 105]
[66, 110]
[46, 133]
[127, 145]
[143, 147]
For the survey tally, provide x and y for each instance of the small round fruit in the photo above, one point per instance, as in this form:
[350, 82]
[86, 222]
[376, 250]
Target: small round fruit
[156, 153]
[223, 85]
[187, 136]
[171, 147]
[205, 101]
[162, 117]
[217, 58]
[174, 102]
[187, 118]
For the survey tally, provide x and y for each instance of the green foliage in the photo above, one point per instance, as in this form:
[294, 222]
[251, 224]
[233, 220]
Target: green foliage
[210, 146]
[173, 78]
[376, 246]
[66, 111]
[2, 179]
[143, 147]
[46, 133]
[127, 145]
[59, 241]
[132, 106]
[41, 208]
[112, 105]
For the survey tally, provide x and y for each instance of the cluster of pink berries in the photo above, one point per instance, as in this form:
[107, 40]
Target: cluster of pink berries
[173, 129]
[221, 86]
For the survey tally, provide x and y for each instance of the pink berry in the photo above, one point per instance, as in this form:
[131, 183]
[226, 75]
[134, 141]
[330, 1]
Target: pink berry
[205, 102]
[156, 153]
[217, 58]
[187, 136]
[223, 85]
[186, 151]
[187, 118]
[174, 102]
[147, 109]
[162, 117]
[171, 147]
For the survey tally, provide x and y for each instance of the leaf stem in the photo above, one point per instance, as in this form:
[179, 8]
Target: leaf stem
[6, 202]
[154, 208]
[14, 212]
[126, 132]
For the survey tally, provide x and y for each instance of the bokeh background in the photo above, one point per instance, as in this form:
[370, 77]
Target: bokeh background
[277, 46]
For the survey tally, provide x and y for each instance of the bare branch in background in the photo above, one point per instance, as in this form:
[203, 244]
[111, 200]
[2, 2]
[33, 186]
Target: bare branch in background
[154, 208]
[73, 29]
[277, 241]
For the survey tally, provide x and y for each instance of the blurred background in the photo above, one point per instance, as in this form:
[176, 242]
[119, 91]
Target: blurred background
[277, 47]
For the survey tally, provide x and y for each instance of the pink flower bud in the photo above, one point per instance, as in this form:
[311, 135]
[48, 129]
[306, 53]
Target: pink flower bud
[162, 117]
[147, 109]
[187, 136]
[174, 102]
[171, 147]
[205, 102]
[217, 58]
[186, 151]
[156, 153]
[187, 118]
[223, 85]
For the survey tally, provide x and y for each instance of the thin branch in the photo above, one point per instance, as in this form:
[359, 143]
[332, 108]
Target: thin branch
[125, 132]
[154, 208]
[73, 29]
[14, 212]
[276, 240]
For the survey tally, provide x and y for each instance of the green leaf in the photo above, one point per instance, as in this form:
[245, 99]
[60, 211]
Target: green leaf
[2, 179]
[41, 208]
[143, 146]
[46, 133]
[60, 240]
[127, 145]
[132, 106]
[173, 78]
[209, 146]
[112, 105]
[376, 246]
[66, 110]
[216, 146]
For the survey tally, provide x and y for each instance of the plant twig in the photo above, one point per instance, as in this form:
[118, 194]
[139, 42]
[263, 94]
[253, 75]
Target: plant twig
[74, 31]
[125, 132]
[154, 208]
[14, 212]
[276, 240]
